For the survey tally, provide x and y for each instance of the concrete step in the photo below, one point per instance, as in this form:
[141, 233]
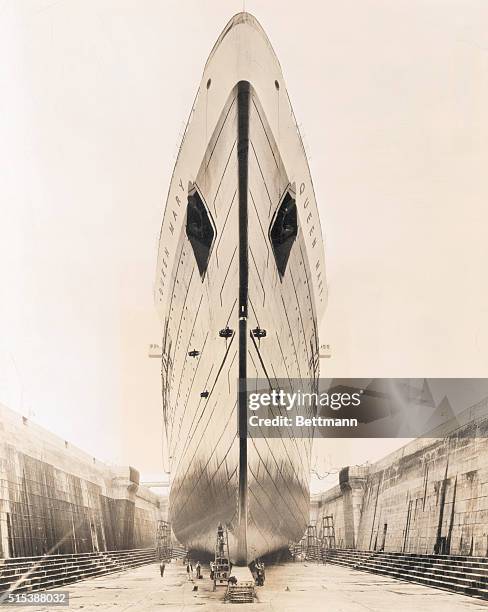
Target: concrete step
[56, 570]
[426, 559]
[409, 572]
[71, 556]
[460, 574]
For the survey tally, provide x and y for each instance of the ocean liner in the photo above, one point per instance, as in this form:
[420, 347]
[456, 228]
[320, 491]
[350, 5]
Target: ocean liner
[240, 289]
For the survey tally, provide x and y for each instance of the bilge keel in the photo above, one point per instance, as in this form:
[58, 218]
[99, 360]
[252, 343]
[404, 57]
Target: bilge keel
[240, 289]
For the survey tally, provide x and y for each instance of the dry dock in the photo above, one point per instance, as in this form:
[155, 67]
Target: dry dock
[289, 587]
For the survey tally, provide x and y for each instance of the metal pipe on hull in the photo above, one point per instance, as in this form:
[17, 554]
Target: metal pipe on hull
[243, 97]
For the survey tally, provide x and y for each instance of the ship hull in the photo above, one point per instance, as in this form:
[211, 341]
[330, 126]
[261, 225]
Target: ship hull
[218, 293]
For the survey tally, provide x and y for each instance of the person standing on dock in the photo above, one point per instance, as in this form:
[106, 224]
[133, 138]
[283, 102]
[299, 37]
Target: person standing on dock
[162, 567]
[189, 570]
[198, 569]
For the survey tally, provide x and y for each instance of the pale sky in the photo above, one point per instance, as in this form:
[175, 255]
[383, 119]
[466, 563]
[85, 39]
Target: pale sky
[391, 98]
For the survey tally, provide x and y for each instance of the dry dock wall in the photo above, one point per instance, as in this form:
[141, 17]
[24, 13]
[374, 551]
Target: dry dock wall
[56, 498]
[431, 496]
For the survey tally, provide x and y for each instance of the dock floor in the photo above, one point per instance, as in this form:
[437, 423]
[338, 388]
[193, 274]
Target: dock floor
[289, 587]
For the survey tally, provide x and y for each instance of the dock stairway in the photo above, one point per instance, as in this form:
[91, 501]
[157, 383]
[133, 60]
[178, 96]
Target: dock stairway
[24, 574]
[461, 574]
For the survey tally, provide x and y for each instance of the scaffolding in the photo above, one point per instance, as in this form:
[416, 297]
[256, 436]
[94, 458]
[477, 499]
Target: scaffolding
[314, 546]
[220, 567]
[163, 541]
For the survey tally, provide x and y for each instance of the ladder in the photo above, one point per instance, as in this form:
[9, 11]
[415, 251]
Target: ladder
[312, 548]
[220, 567]
[328, 535]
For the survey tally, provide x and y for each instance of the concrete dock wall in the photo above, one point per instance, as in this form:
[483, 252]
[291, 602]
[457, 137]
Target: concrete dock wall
[56, 498]
[431, 496]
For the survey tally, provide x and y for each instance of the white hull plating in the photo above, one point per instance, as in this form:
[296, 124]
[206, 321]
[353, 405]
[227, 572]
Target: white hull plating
[243, 158]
